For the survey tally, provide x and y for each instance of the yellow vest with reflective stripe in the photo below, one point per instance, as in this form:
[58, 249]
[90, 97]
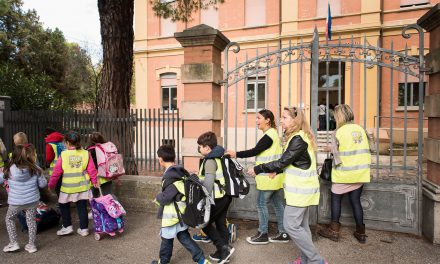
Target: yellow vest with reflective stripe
[170, 217]
[301, 187]
[75, 177]
[218, 193]
[273, 153]
[354, 151]
[55, 159]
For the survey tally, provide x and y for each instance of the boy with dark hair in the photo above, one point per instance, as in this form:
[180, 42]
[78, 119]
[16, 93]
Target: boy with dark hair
[211, 174]
[172, 195]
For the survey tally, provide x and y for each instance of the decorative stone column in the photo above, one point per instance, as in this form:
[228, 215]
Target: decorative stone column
[201, 72]
[431, 185]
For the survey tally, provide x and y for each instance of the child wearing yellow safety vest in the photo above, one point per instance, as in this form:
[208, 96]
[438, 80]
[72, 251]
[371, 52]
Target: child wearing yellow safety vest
[301, 183]
[77, 169]
[211, 175]
[269, 186]
[172, 195]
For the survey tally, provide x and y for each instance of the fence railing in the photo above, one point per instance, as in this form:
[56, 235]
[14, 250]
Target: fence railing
[136, 132]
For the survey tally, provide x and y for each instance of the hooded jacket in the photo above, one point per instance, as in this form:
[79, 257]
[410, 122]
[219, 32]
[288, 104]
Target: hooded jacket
[169, 191]
[211, 167]
[53, 137]
[23, 187]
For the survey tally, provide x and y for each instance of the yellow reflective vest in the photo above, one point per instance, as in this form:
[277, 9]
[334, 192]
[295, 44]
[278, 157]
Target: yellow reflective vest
[301, 187]
[273, 153]
[354, 151]
[170, 217]
[55, 159]
[219, 178]
[75, 177]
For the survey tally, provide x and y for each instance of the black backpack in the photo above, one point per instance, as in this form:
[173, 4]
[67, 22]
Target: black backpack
[46, 218]
[198, 202]
[236, 184]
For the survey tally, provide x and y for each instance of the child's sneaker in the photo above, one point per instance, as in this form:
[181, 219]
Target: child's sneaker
[11, 247]
[232, 233]
[65, 231]
[280, 238]
[83, 232]
[225, 254]
[200, 237]
[30, 248]
[203, 261]
[216, 256]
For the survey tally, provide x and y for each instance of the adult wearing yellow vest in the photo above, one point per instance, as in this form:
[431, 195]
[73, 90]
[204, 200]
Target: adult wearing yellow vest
[211, 175]
[77, 169]
[269, 186]
[172, 195]
[351, 151]
[301, 184]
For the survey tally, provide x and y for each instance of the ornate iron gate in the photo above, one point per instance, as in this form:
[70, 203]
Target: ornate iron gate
[393, 200]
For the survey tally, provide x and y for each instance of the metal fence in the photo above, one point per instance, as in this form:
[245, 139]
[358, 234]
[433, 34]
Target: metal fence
[136, 132]
[379, 82]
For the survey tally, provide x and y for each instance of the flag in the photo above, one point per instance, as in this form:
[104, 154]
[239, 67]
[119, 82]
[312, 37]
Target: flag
[328, 28]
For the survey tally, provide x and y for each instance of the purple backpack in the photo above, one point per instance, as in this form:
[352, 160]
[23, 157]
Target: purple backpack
[103, 222]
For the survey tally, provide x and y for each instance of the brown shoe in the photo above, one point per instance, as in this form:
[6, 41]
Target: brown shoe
[331, 232]
[359, 234]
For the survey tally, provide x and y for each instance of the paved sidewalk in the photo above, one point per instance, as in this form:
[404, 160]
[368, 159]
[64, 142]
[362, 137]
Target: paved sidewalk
[140, 244]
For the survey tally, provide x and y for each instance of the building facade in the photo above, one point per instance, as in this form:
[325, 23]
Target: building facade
[261, 26]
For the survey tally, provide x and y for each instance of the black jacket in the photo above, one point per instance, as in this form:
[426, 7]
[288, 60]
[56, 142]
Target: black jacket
[295, 154]
[169, 191]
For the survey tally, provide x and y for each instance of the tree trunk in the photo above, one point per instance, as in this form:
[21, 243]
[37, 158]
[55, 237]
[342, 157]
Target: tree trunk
[116, 17]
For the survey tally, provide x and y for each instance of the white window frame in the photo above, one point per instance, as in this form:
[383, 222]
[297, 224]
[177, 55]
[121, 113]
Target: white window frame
[253, 80]
[410, 87]
[170, 99]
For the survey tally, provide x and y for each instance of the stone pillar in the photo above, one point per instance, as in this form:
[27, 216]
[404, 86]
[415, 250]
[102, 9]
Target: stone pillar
[431, 185]
[201, 72]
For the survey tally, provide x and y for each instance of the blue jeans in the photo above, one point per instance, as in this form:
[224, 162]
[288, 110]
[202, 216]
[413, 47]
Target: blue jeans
[166, 247]
[277, 198]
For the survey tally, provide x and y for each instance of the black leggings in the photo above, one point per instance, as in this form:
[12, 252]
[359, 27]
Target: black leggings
[355, 201]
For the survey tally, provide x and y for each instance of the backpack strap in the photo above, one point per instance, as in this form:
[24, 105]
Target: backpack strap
[179, 214]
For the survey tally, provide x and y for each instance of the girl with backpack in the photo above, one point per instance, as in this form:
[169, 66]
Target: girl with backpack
[105, 183]
[269, 187]
[301, 183]
[76, 167]
[24, 178]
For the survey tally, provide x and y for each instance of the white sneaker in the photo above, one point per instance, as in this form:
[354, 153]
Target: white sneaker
[83, 232]
[90, 215]
[30, 248]
[11, 247]
[65, 231]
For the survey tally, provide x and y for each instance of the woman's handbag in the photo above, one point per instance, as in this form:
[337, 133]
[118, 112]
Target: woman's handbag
[326, 169]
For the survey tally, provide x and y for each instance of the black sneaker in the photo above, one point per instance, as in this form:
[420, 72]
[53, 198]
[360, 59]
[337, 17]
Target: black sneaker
[258, 239]
[216, 256]
[225, 254]
[280, 238]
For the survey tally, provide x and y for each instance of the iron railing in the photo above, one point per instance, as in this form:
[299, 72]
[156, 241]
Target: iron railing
[136, 132]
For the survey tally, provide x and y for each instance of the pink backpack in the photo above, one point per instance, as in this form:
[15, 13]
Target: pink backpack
[110, 162]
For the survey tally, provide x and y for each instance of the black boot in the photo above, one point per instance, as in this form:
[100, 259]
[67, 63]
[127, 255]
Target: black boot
[359, 234]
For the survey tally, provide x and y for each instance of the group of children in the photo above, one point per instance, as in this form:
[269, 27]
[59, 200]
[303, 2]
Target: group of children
[73, 175]
[285, 174]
